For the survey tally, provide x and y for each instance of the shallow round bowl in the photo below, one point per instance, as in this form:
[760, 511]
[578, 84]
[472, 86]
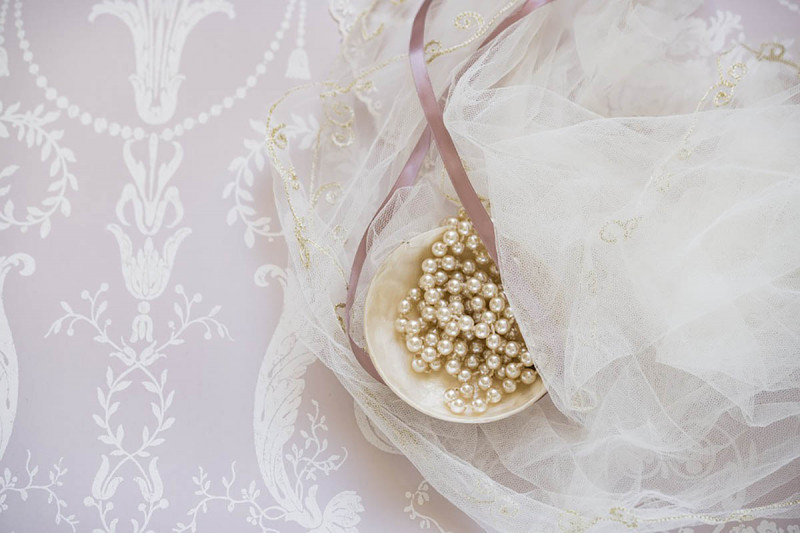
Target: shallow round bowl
[399, 273]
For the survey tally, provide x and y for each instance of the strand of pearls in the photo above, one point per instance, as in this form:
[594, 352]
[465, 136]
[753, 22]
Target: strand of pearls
[458, 319]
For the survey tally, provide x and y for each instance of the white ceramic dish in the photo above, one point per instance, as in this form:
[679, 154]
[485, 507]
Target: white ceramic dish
[388, 352]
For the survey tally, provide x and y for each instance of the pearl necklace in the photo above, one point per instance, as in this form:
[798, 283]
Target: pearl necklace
[462, 322]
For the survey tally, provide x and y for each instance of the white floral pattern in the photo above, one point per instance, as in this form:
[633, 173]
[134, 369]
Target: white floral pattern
[134, 350]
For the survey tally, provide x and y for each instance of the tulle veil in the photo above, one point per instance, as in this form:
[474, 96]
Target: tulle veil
[646, 198]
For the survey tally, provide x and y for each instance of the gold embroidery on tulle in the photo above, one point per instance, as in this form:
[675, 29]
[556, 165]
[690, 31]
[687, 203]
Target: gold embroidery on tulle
[724, 91]
[662, 181]
[591, 282]
[773, 52]
[610, 230]
[338, 233]
[336, 308]
[277, 139]
[465, 21]
[315, 153]
[726, 86]
[500, 503]
[340, 118]
[333, 189]
[578, 523]
[368, 35]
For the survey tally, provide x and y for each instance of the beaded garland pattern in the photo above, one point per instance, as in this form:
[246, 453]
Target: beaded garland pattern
[458, 320]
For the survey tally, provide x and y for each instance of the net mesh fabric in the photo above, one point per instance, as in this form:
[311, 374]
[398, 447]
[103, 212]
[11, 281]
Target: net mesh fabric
[647, 205]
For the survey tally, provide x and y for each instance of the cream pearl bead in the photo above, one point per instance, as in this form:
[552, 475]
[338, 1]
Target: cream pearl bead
[431, 339]
[512, 370]
[432, 296]
[450, 237]
[493, 341]
[464, 375]
[526, 359]
[429, 266]
[439, 249]
[473, 242]
[493, 395]
[458, 406]
[500, 373]
[415, 294]
[493, 361]
[477, 303]
[450, 395]
[428, 313]
[464, 227]
[466, 322]
[460, 348]
[436, 365]
[473, 285]
[476, 347]
[452, 328]
[479, 405]
[413, 326]
[443, 314]
[414, 344]
[456, 307]
[484, 369]
[457, 248]
[451, 222]
[502, 326]
[467, 389]
[488, 317]
[429, 354]
[445, 347]
[482, 277]
[527, 376]
[468, 267]
[484, 382]
[481, 258]
[400, 325]
[448, 262]
[472, 362]
[512, 349]
[454, 286]
[427, 281]
[418, 365]
[489, 290]
[404, 306]
[509, 385]
[452, 367]
[441, 277]
[482, 330]
[497, 304]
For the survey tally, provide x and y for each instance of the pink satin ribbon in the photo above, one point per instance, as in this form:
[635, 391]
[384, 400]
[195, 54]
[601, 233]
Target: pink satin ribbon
[447, 150]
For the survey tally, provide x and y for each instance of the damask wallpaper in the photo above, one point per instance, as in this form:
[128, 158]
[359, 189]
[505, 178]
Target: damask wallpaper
[141, 275]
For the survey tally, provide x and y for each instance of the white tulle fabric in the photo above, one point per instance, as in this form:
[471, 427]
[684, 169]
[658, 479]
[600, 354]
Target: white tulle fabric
[646, 196]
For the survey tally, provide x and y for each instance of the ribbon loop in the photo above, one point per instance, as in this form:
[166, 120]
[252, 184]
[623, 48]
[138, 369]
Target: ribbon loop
[447, 150]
